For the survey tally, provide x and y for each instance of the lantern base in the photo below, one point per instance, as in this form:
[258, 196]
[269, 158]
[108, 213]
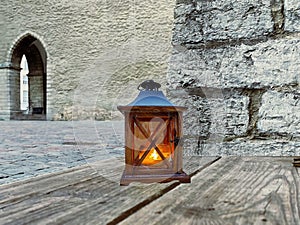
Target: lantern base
[182, 177]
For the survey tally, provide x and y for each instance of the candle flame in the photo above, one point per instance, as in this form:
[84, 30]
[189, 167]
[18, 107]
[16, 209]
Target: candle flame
[154, 155]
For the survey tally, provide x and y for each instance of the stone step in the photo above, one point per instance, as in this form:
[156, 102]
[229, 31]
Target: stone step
[21, 116]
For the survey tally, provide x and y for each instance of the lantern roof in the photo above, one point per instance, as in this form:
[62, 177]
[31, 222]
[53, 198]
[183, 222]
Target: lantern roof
[151, 98]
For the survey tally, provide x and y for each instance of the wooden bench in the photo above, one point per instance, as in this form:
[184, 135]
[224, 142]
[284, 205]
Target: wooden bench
[227, 190]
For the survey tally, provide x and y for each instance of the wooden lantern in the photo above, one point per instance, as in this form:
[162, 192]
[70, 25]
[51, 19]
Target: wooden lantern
[153, 138]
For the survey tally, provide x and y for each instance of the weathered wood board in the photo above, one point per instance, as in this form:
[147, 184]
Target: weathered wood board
[88, 194]
[234, 190]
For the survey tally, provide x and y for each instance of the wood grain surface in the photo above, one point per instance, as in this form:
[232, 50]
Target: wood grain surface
[88, 194]
[234, 190]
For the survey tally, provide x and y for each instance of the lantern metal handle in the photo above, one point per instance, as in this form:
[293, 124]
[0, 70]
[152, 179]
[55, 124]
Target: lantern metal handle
[149, 85]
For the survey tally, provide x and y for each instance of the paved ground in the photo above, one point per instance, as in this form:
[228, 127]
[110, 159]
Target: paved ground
[30, 148]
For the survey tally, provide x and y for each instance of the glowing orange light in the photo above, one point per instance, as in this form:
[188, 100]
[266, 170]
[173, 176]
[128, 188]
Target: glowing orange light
[153, 157]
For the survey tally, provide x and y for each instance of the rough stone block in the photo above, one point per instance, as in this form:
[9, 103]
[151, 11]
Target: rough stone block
[279, 114]
[201, 116]
[273, 63]
[237, 115]
[215, 118]
[201, 21]
[292, 15]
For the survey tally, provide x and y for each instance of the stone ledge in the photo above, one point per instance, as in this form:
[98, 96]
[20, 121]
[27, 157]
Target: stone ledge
[242, 147]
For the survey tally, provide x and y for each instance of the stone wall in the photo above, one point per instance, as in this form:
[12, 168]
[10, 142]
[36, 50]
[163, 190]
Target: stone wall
[236, 66]
[98, 51]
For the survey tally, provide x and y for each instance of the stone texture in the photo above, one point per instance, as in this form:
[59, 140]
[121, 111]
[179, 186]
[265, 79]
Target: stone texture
[198, 120]
[238, 64]
[292, 15]
[237, 115]
[242, 147]
[280, 114]
[204, 21]
[259, 65]
[36, 94]
[214, 119]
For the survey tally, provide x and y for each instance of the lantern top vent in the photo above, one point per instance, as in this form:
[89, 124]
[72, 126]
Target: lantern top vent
[150, 95]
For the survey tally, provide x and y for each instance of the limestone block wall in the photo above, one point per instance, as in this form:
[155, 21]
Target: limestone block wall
[236, 66]
[97, 51]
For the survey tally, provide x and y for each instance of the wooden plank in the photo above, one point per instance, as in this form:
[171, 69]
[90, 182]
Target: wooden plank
[88, 194]
[233, 190]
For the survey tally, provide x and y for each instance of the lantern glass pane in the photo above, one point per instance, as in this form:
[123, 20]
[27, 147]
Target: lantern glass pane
[152, 142]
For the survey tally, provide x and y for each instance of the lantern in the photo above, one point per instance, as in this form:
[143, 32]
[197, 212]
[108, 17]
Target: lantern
[153, 138]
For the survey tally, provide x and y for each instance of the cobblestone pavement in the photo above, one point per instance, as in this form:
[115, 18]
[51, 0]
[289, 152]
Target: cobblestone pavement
[31, 148]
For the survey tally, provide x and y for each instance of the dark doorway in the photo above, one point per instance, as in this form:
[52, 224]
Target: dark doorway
[32, 50]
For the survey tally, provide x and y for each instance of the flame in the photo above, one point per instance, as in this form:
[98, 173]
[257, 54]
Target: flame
[154, 155]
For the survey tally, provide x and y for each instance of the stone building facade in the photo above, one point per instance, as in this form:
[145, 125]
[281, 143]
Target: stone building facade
[236, 66]
[84, 57]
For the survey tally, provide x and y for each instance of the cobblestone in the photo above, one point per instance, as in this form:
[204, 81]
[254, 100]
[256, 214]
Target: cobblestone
[31, 148]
